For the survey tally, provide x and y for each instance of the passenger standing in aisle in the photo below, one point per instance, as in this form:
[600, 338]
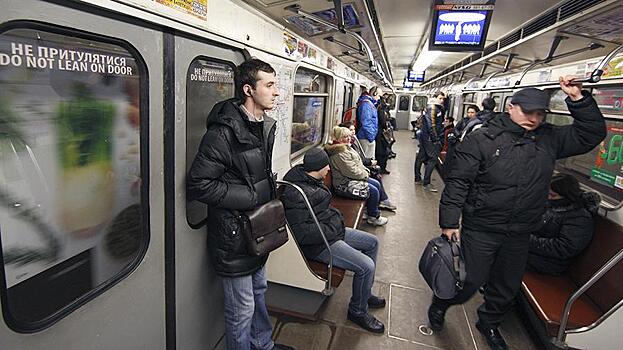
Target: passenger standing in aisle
[367, 120]
[431, 138]
[352, 249]
[498, 182]
[384, 135]
[232, 173]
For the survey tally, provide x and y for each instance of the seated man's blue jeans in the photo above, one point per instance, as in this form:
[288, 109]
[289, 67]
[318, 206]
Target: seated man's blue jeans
[377, 194]
[357, 253]
[247, 325]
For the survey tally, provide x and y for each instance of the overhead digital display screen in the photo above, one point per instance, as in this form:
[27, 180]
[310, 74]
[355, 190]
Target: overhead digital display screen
[460, 27]
[415, 76]
[407, 84]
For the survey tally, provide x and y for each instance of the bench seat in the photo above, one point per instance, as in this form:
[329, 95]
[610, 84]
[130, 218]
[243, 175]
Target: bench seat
[545, 296]
[548, 294]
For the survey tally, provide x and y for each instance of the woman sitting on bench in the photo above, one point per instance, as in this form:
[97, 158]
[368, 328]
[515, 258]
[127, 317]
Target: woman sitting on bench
[568, 226]
[346, 165]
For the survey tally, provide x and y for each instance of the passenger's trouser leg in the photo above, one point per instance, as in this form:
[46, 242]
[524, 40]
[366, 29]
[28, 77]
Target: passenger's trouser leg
[368, 147]
[247, 325]
[419, 159]
[504, 279]
[495, 259]
[432, 152]
[372, 203]
[379, 185]
[357, 253]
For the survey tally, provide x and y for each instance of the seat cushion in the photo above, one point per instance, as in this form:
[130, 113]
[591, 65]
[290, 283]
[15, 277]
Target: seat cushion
[321, 269]
[548, 295]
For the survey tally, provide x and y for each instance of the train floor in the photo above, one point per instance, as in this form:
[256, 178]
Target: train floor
[399, 281]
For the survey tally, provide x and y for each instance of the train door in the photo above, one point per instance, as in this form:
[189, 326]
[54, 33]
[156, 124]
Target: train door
[81, 204]
[204, 75]
[402, 114]
[348, 95]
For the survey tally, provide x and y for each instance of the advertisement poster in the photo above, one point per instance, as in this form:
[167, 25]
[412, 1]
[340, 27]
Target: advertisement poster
[609, 159]
[69, 154]
[197, 8]
[290, 45]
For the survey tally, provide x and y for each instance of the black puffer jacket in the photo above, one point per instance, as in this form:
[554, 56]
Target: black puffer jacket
[499, 176]
[301, 221]
[567, 229]
[232, 173]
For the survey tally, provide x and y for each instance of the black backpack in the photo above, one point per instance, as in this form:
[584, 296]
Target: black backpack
[443, 267]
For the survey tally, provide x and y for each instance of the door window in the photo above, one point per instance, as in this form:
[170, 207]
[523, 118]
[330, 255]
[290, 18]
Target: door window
[73, 198]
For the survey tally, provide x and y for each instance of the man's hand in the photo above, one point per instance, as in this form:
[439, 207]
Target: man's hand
[449, 232]
[571, 88]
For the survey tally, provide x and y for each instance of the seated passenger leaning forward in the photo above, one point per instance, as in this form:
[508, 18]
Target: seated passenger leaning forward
[352, 249]
[498, 183]
[568, 226]
[347, 165]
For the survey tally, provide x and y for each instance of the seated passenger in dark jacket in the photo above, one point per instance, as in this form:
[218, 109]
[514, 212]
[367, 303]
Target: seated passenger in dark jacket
[568, 226]
[352, 249]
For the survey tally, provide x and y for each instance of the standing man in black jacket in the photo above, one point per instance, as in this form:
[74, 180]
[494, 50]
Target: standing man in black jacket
[232, 173]
[498, 182]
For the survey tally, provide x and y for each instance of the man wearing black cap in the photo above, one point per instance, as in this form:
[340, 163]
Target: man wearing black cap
[498, 183]
[352, 249]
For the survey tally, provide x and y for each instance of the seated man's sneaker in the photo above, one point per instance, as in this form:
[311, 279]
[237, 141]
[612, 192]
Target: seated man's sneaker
[367, 322]
[386, 204]
[378, 221]
[375, 302]
[364, 215]
[436, 317]
[493, 337]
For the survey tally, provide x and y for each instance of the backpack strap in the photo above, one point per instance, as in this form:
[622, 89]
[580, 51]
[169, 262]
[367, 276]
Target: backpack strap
[458, 263]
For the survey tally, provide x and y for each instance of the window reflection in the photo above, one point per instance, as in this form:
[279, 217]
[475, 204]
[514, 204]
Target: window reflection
[307, 122]
[70, 170]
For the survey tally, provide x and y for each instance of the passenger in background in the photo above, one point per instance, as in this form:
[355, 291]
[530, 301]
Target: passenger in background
[568, 226]
[488, 110]
[497, 187]
[448, 128]
[367, 120]
[352, 249]
[346, 165]
[468, 122]
[232, 173]
[431, 138]
[384, 137]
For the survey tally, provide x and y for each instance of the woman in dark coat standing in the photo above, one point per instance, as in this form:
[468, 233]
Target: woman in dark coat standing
[568, 226]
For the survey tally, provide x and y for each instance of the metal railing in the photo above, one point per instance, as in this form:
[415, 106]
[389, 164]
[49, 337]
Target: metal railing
[562, 332]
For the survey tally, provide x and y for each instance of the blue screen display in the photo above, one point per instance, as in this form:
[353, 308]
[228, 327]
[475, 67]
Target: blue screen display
[407, 84]
[460, 27]
[416, 76]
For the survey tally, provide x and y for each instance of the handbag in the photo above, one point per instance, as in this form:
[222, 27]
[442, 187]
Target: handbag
[265, 228]
[443, 267]
[356, 189]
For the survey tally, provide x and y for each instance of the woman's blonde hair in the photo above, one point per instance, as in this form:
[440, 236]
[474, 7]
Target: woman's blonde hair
[340, 132]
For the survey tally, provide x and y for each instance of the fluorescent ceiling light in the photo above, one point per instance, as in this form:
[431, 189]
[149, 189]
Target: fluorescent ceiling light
[425, 58]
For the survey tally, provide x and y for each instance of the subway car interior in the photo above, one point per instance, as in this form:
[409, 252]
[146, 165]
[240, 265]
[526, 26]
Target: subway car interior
[104, 105]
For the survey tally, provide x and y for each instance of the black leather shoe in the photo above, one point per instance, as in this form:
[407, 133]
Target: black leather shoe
[493, 336]
[385, 172]
[367, 322]
[282, 347]
[436, 317]
[375, 302]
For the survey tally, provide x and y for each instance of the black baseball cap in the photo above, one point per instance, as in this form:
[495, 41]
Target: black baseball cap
[531, 99]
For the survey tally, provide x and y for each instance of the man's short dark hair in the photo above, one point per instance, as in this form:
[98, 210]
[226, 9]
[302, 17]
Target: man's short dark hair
[488, 104]
[246, 73]
[474, 107]
[450, 119]
[440, 93]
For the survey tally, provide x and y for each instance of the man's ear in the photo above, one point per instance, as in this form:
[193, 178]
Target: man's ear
[247, 90]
